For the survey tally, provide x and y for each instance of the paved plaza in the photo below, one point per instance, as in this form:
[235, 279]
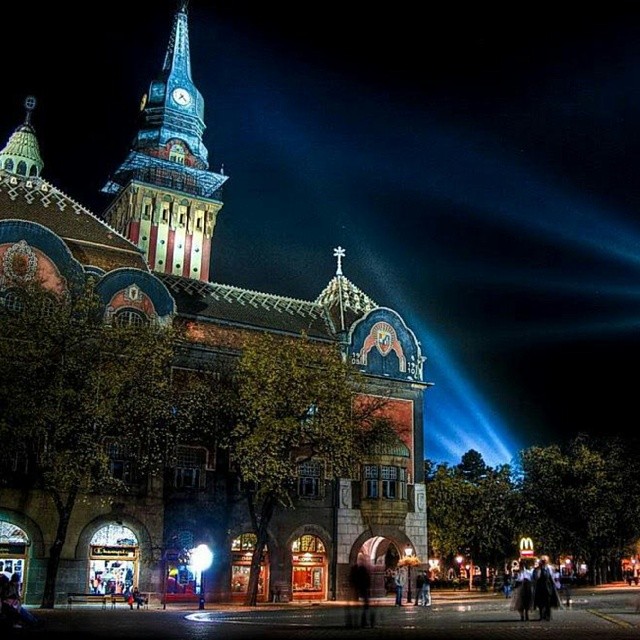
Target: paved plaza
[604, 613]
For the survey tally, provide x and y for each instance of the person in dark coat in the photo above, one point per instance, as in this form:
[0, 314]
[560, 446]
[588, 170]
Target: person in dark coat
[545, 595]
[360, 582]
[522, 598]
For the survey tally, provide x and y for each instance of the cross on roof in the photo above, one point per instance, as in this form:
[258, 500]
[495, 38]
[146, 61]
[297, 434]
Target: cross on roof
[339, 253]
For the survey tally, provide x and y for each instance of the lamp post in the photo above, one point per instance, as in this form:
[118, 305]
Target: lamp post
[201, 558]
[408, 553]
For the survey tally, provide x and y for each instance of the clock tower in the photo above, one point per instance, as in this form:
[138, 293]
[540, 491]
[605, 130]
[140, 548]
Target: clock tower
[166, 199]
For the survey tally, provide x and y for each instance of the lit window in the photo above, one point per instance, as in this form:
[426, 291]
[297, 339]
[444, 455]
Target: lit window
[244, 542]
[307, 544]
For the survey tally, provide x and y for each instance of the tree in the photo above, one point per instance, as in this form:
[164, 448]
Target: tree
[594, 512]
[296, 402]
[470, 508]
[69, 385]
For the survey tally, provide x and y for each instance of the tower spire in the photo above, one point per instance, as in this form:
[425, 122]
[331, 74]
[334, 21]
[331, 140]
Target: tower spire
[177, 55]
[167, 200]
[21, 154]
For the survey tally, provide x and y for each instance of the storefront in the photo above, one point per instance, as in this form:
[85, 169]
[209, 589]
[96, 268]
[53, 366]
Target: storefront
[242, 551]
[14, 548]
[309, 566]
[180, 576]
[113, 560]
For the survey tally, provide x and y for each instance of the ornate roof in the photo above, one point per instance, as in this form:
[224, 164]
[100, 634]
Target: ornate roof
[332, 313]
[21, 155]
[343, 301]
[230, 305]
[91, 240]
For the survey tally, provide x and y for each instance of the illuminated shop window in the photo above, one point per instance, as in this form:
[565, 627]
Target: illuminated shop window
[242, 549]
[308, 544]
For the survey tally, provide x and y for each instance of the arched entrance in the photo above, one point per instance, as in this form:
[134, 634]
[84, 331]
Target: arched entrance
[113, 560]
[309, 568]
[382, 555]
[14, 549]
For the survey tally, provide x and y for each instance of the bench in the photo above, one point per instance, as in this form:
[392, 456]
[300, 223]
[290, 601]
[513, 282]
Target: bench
[95, 598]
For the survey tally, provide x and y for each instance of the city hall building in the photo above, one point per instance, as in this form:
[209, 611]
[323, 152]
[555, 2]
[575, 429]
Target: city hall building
[150, 252]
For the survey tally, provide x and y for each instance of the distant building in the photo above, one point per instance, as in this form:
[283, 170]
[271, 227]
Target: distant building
[150, 253]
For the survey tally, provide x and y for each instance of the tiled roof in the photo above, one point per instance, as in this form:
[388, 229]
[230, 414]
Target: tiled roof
[344, 302]
[38, 201]
[232, 305]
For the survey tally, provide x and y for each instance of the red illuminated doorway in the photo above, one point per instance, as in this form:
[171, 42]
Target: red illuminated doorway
[309, 568]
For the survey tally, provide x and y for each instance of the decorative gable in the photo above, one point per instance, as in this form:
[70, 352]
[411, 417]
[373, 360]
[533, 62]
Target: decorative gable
[381, 344]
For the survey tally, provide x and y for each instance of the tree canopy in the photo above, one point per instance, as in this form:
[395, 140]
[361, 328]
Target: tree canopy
[71, 386]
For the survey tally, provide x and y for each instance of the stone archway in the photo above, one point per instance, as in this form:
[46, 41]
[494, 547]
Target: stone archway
[382, 554]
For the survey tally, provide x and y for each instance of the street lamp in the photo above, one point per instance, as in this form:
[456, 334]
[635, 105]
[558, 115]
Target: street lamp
[201, 558]
[408, 553]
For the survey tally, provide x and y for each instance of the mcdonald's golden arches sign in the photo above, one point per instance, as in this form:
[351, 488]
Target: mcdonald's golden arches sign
[526, 547]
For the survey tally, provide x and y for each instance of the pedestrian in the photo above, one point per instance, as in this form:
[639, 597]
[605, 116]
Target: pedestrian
[136, 598]
[360, 583]
[522, 598]
[507, 586]
[420, 579]
[545, 595]
[399, 579]
[428, 580]
[12, 600]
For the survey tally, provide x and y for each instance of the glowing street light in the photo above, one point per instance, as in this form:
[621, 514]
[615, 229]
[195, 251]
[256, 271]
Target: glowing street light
[201, 559]
[409, 561]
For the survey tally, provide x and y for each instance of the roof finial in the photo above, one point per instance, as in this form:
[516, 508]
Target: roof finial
[182, 6]
[29, 105]
[339, 252]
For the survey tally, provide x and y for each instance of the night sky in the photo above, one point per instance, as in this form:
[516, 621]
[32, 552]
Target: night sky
[479, 166]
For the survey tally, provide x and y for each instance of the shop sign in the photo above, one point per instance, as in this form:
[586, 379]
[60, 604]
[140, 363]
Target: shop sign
[526, 548]
[308, 559]
[13, 549]
[117, 552]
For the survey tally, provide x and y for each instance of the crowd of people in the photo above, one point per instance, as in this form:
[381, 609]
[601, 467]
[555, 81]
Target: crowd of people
[536, 588]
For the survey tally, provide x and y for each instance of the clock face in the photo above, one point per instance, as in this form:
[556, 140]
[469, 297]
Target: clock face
[181, 96]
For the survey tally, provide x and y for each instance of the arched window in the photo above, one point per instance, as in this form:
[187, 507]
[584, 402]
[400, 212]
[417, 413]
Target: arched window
[128, 317]
[11, 301]
[177, 153]
[22, 168]
[14, 546]
[113, 559]
[8, 164]
[307, 544]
